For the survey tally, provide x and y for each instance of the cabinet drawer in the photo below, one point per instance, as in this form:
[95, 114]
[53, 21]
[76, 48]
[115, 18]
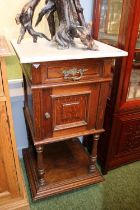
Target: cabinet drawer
[74, 70]
[65, 71]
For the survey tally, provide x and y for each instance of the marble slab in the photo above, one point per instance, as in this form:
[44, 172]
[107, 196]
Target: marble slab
[29, 52]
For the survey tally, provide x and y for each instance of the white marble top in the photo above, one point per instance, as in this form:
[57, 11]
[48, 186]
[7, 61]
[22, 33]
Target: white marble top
[29, 52]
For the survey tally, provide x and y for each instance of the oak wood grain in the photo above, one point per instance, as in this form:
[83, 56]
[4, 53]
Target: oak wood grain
[12, 189]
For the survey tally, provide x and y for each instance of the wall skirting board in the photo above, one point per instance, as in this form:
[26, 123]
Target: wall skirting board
[17, 102]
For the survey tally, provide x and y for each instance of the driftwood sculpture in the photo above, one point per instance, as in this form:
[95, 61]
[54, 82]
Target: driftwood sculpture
[71, 22]
[25, 19]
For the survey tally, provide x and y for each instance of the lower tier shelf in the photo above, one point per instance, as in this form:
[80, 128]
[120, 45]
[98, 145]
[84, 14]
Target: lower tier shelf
[66, 168]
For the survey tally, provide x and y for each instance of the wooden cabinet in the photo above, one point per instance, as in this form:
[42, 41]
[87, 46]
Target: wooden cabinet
[64, 99]
[120, 144]
[12, 190]
[64, 106]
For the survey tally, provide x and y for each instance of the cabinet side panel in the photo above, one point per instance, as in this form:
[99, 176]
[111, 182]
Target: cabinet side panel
[37, 111]
[104, 90]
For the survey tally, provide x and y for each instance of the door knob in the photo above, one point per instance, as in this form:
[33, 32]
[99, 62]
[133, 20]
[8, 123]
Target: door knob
[47, 115]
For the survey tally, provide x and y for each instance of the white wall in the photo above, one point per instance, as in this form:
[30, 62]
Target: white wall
[88, 8]
[19, 125]
[17, 103]
[9, 10]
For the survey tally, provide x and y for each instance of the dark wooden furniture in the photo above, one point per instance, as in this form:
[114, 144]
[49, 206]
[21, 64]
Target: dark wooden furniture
[64, 99]
[60, 109]
[12, 189]
[120, 144]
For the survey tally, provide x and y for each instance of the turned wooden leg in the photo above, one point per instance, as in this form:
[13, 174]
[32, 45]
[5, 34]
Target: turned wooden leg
[93, 156]
[88, 143]
[40, 165]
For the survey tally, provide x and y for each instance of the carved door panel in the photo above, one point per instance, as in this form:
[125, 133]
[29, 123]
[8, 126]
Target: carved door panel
[70, 109]
[128, 128]
[8, 177]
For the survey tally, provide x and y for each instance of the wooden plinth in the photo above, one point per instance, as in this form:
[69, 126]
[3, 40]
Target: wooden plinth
[66, 168]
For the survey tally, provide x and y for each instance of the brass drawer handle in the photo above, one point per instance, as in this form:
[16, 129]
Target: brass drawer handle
[73, 74]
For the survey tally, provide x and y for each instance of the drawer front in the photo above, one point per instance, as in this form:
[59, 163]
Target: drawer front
[68, 71]
[69, 110]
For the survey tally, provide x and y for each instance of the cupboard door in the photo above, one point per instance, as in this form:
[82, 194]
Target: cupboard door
[70, 109]
[134, 83]
[125, 146]
[106, 20]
